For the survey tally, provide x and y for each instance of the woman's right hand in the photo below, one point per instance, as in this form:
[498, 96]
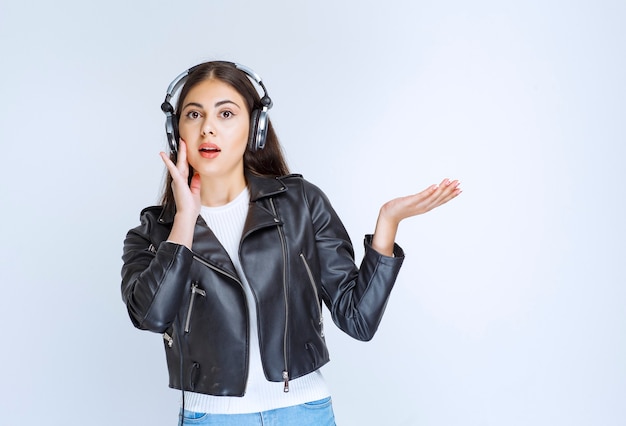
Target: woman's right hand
[187, 197]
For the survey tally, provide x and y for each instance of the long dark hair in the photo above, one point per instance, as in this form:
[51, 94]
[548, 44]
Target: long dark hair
[267, 162]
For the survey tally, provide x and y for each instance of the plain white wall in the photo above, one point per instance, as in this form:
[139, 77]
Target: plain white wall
[509, 308]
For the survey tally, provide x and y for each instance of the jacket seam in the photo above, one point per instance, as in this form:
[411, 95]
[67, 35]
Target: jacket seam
[369, 284]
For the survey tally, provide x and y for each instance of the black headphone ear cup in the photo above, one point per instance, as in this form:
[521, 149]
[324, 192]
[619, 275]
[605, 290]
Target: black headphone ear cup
[262, 124]
[175, 133]
[254, 130]
[171, 129]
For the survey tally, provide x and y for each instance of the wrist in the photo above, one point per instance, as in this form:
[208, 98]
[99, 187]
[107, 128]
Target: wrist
[186, 216]
[386, 220]
[385, 234]
[183, 229]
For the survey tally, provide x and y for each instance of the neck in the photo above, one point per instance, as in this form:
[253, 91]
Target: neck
[215, 192]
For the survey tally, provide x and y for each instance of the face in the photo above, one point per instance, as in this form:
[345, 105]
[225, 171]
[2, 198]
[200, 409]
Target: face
[214, 123]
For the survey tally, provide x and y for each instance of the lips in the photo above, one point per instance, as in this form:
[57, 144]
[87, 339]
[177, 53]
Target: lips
[209, 150]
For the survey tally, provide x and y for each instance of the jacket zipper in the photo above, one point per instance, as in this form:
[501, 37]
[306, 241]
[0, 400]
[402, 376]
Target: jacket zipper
[194, 290]
[169, 339]
[317, 298]
[286, 295]
[220, 271]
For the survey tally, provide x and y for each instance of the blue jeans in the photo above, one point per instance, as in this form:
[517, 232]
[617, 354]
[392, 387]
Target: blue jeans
[315, 413]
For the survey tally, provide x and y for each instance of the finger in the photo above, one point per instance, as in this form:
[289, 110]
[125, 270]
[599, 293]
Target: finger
[177, 178]
[451, 191]
[444, 193]
[435, 192]
[168, 163]
[182, 151]
[178, 174]
[423, 195]
[451, 187]
[419, 202]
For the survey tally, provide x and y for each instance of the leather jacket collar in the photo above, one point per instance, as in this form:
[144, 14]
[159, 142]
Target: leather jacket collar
[259, 187]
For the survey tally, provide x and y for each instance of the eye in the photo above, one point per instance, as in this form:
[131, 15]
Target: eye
[226, 114]
[192, 115]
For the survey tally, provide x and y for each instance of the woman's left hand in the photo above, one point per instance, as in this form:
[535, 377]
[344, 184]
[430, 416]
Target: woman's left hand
[394, 211]
[422, 202]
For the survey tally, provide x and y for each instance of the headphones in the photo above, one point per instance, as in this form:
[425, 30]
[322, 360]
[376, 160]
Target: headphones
[259, 120]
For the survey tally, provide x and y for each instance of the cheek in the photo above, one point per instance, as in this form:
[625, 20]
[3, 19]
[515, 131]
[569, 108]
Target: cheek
[245, 133]
[239, 133]
[185, 130]
[246, 128]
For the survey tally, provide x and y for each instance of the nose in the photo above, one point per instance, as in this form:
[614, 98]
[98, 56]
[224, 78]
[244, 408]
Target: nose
[207, 128]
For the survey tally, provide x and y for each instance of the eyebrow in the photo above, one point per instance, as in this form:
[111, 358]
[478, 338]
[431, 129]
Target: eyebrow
[217, 104]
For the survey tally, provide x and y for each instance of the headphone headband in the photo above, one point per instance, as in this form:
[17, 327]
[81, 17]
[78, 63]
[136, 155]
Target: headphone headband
[259, 119]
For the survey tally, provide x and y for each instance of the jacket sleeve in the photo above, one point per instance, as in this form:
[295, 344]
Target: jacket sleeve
[153, 279]
[356, 297]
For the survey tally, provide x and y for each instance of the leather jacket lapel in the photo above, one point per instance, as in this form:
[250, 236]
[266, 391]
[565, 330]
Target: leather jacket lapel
[207, 246]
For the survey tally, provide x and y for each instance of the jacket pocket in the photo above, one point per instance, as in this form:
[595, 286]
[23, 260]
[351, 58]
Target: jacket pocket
[195, 291]
[194, 373]
[314, 354]
[318, 301]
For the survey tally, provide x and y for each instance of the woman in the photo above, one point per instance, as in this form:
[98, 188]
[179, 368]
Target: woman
[233, 267]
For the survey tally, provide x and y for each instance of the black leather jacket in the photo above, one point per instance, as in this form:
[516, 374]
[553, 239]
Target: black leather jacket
[295, 253]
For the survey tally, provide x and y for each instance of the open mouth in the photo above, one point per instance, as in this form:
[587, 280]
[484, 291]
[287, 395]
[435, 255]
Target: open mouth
[209, 148]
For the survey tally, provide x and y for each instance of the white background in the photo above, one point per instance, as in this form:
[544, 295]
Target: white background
[509, 309]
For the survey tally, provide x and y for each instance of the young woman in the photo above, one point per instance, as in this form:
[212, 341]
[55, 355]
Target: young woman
[233, 266]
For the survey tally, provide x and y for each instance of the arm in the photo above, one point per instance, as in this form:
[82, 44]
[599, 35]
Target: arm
[154, 279]
[355, 296]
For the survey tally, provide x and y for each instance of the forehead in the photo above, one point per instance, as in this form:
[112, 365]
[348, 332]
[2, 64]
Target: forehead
[214, 89]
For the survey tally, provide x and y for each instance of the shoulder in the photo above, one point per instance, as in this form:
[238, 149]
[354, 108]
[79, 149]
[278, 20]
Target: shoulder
[290, 180]
[293, 188]
[151, 213]
[149, 218]
[297, 180]
[310, 193]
